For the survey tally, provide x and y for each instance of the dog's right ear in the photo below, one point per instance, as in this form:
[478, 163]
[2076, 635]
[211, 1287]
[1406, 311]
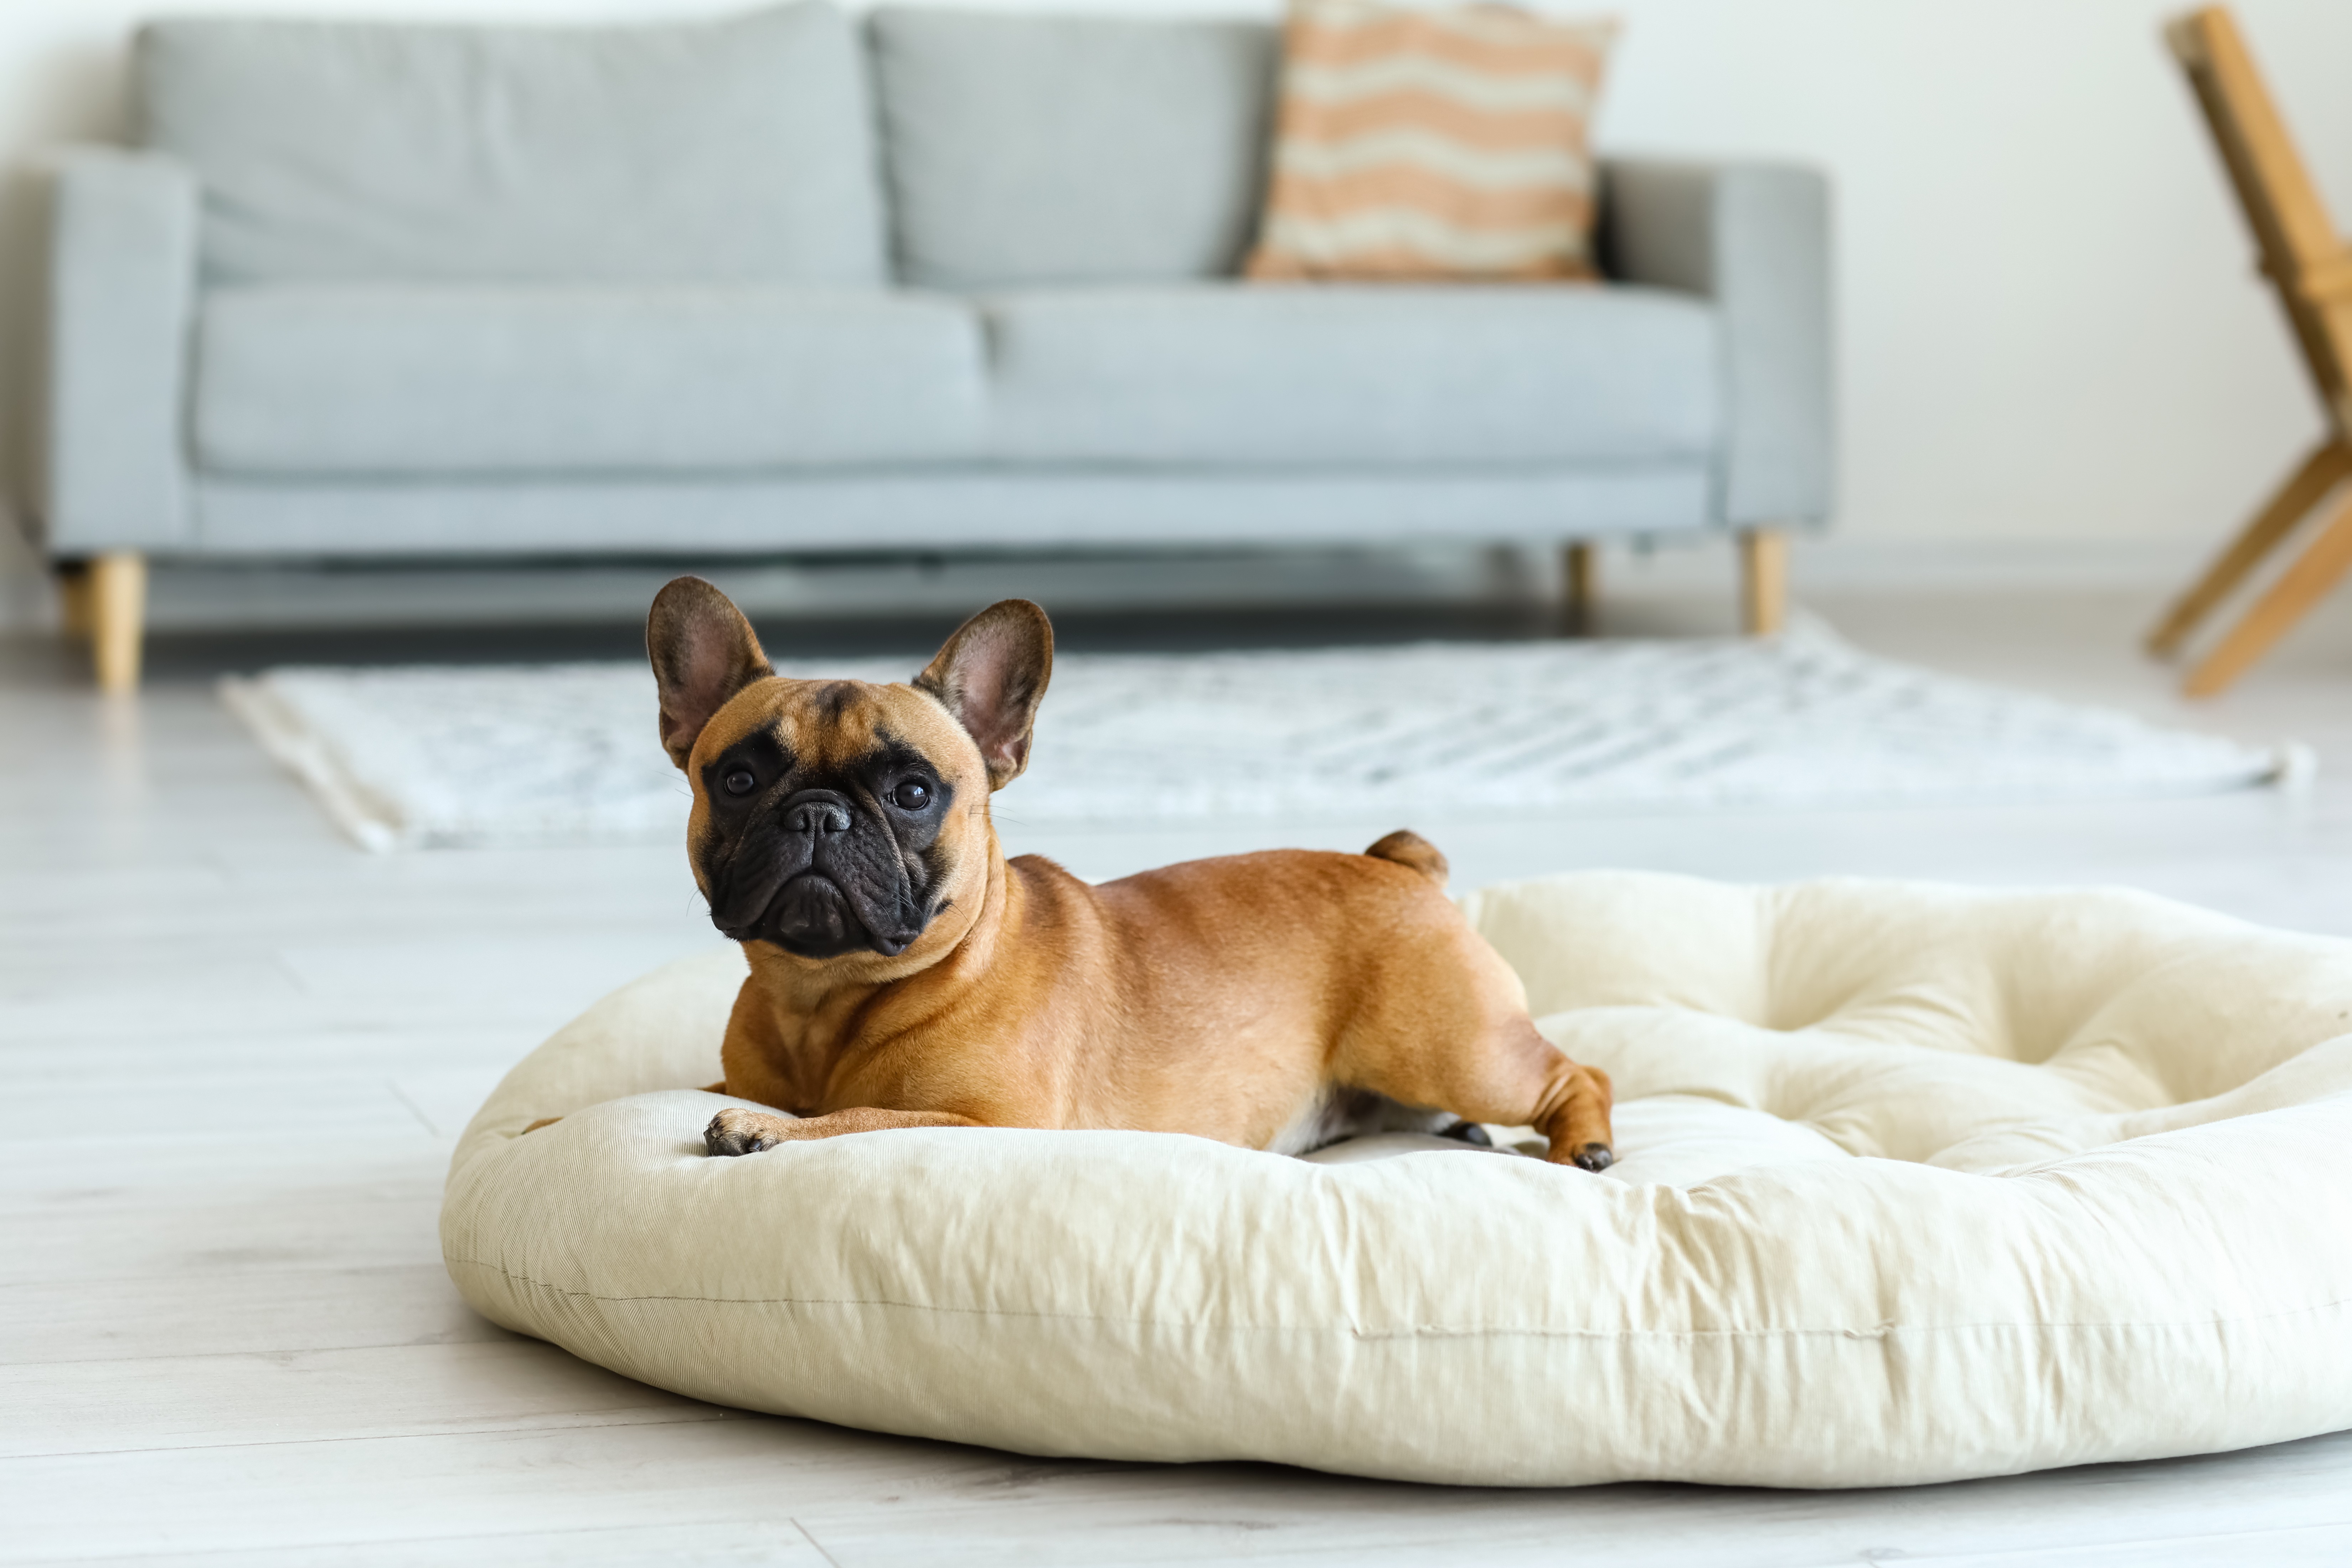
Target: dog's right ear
[703, 652]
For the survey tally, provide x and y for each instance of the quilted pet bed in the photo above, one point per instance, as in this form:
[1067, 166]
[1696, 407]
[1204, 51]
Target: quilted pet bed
[1917, 1183]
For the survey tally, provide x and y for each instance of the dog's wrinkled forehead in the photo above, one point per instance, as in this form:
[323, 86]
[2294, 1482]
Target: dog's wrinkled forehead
[827, 726]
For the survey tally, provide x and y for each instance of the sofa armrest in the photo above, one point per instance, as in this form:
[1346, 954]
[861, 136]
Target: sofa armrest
[1754, 239]
[110, 469]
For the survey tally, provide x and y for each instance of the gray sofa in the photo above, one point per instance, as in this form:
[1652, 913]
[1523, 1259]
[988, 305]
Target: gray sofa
[796, 282]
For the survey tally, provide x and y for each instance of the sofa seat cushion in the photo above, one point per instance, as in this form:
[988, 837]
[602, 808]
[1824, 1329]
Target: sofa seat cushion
[326, 379]
[1038, 150]
[739, 149]
[1291, 375]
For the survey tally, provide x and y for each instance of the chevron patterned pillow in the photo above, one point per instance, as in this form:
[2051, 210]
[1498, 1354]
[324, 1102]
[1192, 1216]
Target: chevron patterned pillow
[1431, 144]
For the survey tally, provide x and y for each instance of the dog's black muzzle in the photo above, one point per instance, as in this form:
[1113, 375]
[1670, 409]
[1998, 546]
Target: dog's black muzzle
[814, 889]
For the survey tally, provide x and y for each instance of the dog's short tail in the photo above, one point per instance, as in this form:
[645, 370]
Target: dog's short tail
[1414, 852]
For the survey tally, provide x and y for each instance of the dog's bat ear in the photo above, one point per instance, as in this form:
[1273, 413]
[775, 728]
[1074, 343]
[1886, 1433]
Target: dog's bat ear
[703, 652]
[992, 675]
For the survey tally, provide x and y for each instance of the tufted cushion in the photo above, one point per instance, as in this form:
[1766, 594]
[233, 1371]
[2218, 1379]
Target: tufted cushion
[1917, 1184]
[1942, 1027]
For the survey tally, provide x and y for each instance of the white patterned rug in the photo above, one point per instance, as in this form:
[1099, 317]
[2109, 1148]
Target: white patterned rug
[507, 755]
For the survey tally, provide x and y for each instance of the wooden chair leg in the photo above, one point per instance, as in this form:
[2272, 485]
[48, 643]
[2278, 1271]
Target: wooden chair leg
[2321, 472]
[1763, 580]
[1581, 562]
[2299, 587]
[118, 613]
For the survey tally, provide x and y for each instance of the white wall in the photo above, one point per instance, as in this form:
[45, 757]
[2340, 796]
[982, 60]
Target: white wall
[2050, 330]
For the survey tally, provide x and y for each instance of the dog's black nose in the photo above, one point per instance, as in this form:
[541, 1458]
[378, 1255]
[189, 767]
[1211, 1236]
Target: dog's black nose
[816, 812]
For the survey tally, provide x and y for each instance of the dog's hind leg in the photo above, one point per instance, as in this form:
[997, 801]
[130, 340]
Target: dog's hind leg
[1575, 1116]
[1507, 1073]
[1534, 1084]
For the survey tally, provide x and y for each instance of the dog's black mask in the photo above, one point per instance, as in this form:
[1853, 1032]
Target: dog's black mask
[824, 860]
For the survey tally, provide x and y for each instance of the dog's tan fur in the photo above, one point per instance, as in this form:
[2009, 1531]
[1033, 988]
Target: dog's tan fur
[1226, 999]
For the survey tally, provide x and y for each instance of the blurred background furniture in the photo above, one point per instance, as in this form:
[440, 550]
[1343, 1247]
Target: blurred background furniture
[392, 293]
[2311, 266]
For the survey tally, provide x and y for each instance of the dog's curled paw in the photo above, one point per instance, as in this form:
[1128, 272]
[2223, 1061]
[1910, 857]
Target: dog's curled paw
[736, 1131]
[1596, 1157]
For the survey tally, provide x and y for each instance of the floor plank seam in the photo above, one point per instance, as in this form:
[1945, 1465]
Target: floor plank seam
[278, 1354]
[682, 1418]
[816, 1546]
[415, 1110]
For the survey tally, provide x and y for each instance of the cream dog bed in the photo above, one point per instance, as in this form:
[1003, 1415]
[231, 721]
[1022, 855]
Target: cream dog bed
[1917, 1183]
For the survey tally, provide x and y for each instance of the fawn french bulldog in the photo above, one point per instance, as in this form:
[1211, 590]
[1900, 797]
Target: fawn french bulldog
[906, 974]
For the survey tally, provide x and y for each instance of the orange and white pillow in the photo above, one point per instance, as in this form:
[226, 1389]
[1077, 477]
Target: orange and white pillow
[1431, 144]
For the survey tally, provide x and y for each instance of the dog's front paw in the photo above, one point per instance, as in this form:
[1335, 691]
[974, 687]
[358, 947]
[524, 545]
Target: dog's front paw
[736, 1131]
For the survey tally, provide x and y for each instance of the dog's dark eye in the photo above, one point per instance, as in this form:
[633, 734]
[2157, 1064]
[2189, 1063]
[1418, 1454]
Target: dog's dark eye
[912, 795]
[740, 781]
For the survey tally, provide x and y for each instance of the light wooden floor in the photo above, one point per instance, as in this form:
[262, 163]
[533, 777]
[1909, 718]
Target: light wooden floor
[232, 1053]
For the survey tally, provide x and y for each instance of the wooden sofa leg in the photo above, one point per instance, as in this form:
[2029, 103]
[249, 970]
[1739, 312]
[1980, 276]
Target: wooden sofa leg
[1582, 565]
[1763, 580]
[114, 608]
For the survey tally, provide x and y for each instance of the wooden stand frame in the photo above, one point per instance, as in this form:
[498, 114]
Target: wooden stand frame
[2311, 266]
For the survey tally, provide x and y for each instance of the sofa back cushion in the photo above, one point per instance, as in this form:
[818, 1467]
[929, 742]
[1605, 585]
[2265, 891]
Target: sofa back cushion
[1023, 149]
[736, 150]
